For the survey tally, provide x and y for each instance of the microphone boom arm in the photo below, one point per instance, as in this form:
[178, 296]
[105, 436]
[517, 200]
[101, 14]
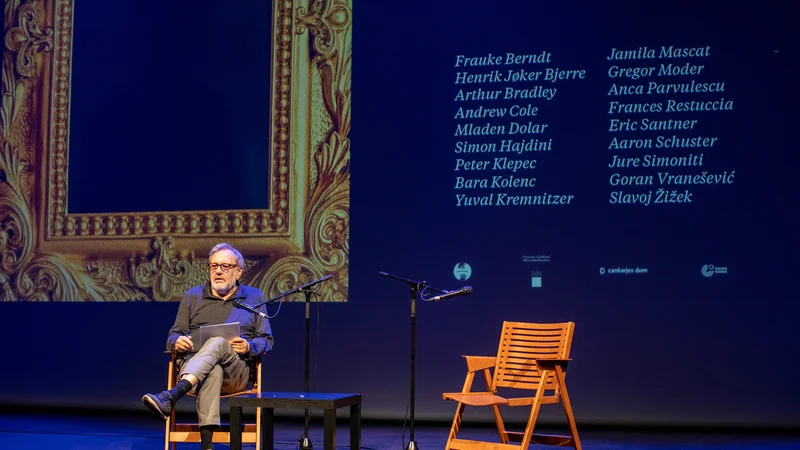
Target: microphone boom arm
[295, 290]
[421, 286]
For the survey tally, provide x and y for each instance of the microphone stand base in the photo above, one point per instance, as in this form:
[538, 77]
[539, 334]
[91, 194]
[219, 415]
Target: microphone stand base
[305, 443]
[412, 445]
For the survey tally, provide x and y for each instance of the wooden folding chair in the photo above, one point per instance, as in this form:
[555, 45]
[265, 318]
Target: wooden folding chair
[190, 432]
[530, 357]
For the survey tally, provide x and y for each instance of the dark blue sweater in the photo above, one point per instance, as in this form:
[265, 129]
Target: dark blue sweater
[200, 307]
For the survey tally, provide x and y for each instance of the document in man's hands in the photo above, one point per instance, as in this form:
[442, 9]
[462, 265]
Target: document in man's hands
[224, 330]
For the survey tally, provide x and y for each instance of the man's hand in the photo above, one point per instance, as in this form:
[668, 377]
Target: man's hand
[184, 344]
[240, 345]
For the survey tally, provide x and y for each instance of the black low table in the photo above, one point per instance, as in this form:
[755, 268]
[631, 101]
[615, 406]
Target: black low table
[268, 401]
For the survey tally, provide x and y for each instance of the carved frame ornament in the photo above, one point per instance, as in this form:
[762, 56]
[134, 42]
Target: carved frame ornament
[48, 254]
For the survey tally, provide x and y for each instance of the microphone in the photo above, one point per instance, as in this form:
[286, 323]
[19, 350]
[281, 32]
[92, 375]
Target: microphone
[239, 304]
[466, 290]
[312, 283]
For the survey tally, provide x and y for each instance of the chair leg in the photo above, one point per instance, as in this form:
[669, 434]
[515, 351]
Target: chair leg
[171, 419]
[166, 437]
[501, 428]
[460, 409]
[537, 404]
[456, 425]
[573, 427]
[498, 418]
[258, 428]
[169, 426]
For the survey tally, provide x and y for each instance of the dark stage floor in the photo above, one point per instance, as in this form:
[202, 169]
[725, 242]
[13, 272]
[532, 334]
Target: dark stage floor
[141, 432]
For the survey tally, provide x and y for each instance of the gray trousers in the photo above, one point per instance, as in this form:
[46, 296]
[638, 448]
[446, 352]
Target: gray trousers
[220, 371]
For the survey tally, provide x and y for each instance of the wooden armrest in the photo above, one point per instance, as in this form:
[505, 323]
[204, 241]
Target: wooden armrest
[550, 364]
[476, 363]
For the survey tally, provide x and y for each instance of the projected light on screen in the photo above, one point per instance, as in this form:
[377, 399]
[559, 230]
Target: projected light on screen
[163, 141]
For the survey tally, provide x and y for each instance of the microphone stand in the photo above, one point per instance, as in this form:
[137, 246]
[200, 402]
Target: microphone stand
[415, 286]
[305, 442]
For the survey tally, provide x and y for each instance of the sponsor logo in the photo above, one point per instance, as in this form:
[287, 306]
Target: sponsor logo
[536, 258]
[623, 270]
[462, 271]
[536, 278]
[709, 270]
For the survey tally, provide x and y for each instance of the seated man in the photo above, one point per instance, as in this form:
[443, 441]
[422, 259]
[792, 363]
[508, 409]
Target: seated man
[220, 366]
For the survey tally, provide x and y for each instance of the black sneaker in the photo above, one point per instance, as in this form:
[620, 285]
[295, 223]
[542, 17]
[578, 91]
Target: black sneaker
[159, 404]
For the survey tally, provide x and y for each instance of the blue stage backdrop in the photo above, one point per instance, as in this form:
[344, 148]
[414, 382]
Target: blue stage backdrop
[625, 166]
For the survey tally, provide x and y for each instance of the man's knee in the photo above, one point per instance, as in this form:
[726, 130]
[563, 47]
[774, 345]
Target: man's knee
[216, 341]
[216, 345]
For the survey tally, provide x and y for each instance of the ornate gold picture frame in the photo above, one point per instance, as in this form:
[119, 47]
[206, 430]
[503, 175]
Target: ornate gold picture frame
[46, 253]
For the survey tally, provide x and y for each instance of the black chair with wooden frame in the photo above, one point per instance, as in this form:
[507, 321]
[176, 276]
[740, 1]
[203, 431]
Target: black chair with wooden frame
[530, 357]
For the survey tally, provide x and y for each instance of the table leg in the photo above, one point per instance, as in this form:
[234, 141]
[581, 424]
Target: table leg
[267, 429]
[236, 428]
[330, 429]
[355, 427]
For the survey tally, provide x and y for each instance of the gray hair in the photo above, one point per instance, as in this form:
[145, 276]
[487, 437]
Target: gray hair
[224, 246]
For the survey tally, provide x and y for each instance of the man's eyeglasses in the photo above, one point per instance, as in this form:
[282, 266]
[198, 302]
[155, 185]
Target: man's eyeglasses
[225, 267]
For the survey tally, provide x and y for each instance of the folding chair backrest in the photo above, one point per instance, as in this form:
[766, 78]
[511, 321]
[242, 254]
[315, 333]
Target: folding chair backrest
[521, 344]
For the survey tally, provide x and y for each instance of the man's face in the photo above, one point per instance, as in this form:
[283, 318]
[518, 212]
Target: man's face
[223, 282]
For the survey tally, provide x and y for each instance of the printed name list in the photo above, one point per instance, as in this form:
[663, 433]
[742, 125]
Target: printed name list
[501, 130]
[659, 103]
